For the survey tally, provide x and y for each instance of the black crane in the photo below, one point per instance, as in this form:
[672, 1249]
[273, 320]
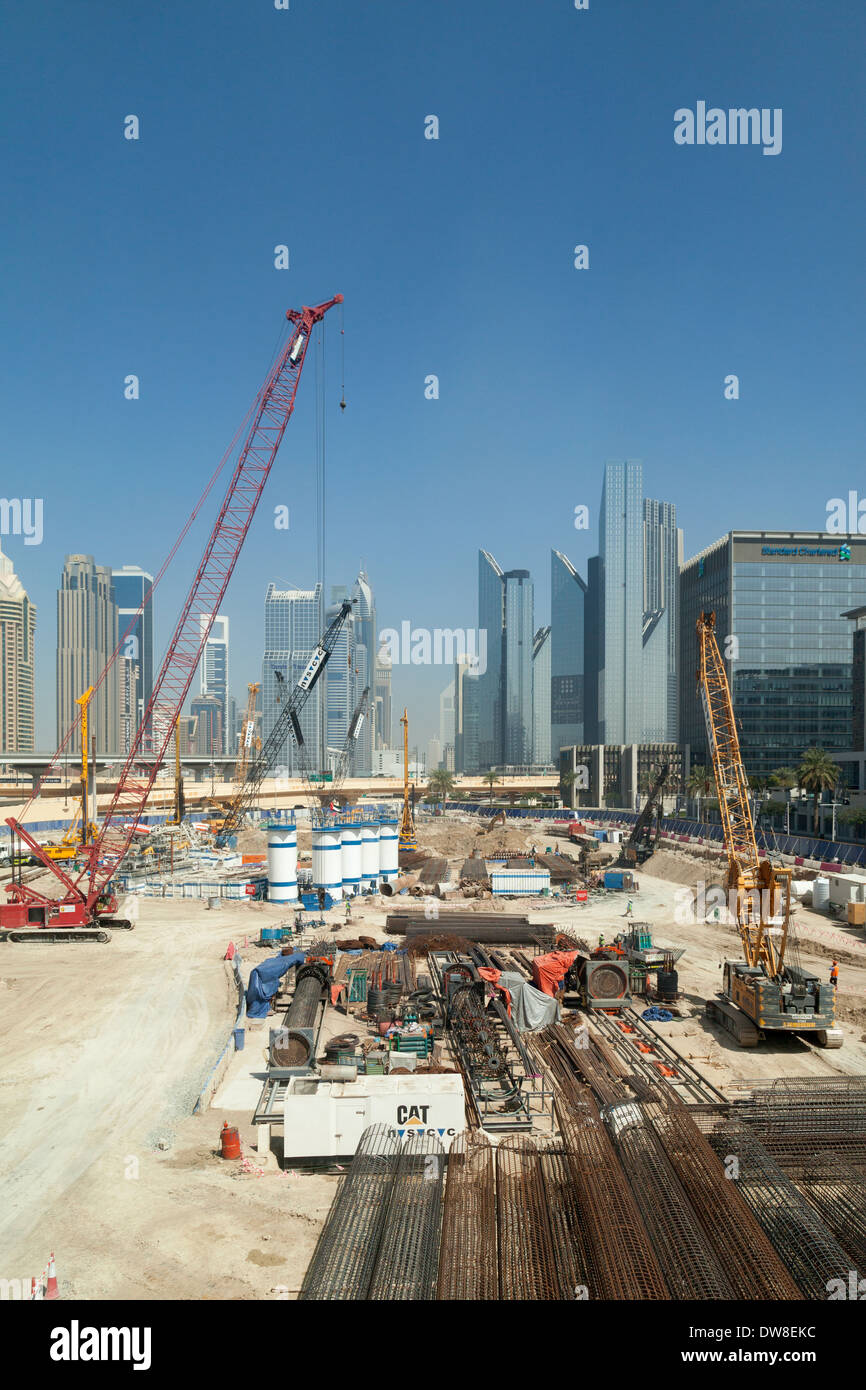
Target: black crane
[641, 842]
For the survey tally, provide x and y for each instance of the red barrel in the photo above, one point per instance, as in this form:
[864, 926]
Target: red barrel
[230, 1142]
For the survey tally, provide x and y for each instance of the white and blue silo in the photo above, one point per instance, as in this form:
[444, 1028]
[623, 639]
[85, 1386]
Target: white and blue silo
[282, 862]
[351, 857]
[389, 848]
[328, 856]
[370, 854]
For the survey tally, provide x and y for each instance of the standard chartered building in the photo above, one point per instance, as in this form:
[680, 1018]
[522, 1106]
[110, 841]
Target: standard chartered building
[779, 599]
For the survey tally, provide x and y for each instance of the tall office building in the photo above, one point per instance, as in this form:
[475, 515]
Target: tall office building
[663, 543]
[382, 700]
[131, 585]
[17, 629]
[568, 604]
[541, 693]
[344, 681]
[490, 622]
[214, 672]
[364, 612]
[633, 625]
[208, 711]
[465, 738]
[292, 630]
[518, 632]
[446, 716]
[87, 634]
[780, 599]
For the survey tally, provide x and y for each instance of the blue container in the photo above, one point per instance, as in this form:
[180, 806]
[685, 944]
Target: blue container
[270, 934]
[613, 879]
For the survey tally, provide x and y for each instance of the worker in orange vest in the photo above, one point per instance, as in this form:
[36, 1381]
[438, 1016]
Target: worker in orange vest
[834, 974]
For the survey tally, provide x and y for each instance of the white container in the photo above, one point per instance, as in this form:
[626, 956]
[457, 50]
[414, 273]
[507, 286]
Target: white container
[327, 859]
[389, 850]
[846, 888]
[519, 882]
[820, 892]
[351, 859]
[282, 862]
[370, 855]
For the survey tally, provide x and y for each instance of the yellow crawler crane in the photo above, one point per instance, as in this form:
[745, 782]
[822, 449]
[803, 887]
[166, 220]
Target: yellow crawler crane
[74, 838]
[763, 993]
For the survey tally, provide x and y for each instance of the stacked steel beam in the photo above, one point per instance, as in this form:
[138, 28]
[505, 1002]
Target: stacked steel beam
[527, 1259]
[753, 1268]
[407, 1259]
[468, 1268]
[345, 1255]
[622, 1263]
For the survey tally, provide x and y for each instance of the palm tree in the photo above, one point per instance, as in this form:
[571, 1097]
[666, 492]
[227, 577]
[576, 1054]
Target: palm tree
[817, 773]
[566, 782]
[440, 784]
[698, 784]
[784, 777]
[491, 779]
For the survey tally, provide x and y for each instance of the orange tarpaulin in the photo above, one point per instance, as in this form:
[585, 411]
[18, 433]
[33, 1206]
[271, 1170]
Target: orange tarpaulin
[492, 978]
[549, 971]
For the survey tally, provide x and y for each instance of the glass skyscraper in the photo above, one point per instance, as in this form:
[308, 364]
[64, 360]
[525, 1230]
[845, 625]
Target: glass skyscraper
[621, 548]
[131, 584]
[779, 598]
[541, 696]
[292, 630]
[490, 620]
[366, 649]
[519, 629]
[662, 542]
[567, 643]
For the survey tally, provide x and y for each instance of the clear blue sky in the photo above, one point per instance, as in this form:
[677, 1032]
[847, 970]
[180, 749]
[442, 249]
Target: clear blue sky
[455, 257]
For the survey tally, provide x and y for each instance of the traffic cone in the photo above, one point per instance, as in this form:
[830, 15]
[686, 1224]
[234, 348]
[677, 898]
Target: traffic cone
[35, 1288]
[51, 1289]
[230, 953]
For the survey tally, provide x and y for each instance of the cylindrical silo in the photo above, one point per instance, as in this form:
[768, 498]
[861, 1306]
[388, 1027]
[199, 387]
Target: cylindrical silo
[282, 862]
[351, 858]
[389, 848]
[327, 857]
[370, 855]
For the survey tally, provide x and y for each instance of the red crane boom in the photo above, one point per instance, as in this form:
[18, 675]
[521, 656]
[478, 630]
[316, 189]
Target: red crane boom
[85, 896]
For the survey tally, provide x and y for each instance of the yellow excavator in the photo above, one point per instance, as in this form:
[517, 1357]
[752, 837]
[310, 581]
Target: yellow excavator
[408, 839]
[764, 993]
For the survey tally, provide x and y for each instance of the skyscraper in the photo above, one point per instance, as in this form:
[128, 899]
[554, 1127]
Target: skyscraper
[568, 599]
[208, 711]
[214, 672]
[465, 737]
[17, 629]
[490, 621]
[292, 623]
[365, 661]
[519, 628]
[541, 692]
[663, 543]
[87, 633]
[131, 584]
[382, 700]
[343, 681]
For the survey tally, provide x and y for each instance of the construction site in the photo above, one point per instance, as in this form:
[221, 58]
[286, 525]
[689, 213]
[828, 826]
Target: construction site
[354, 1048]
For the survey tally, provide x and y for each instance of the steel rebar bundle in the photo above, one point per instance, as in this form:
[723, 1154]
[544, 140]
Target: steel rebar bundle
[797, 1119]
[345, 1254]
[407, 1260]
[468, 1268]
[570, 1054]
[838, 1194]
[527, 1260]
[753, 1268]
[569, 1237]
[690, 1265]
[622, 1262]
[801, 1238]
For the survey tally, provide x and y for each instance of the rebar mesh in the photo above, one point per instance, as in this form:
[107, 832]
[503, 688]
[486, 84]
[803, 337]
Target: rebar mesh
[568, 1054]
[345, 1254]
[408, 1256]
[468, 1267]
[838, 1194]
[622, 1264]
[748, 1258]
[691, 1268]
[799, 1235]
[527, 1261]
[570, 1248]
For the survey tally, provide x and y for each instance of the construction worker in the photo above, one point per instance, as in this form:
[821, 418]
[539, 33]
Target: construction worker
[601, 941]
[629, 909]
[834, 974]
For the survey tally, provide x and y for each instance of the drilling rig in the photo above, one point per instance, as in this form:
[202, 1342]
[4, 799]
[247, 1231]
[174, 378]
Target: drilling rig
[768, 991]
[408, 841]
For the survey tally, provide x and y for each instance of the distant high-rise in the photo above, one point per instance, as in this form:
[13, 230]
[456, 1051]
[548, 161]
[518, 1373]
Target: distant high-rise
[364, 612]
[434, 754]
[214, 672]
[490, 622]
[382, 700]
[87, 634]
[518, 632]
[17, 629]
[634, 625]
[131, 585]
[446, 715]
[208, 711]
[292, 630]
[344, 682]
[541, 654]
[568, 600]
[466, 683]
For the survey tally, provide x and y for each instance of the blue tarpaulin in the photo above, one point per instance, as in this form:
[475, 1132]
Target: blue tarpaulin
[265, 979]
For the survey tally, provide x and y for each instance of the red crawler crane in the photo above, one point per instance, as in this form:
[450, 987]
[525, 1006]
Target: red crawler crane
[84, 909]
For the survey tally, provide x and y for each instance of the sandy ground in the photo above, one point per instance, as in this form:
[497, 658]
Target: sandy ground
[107, 1047]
